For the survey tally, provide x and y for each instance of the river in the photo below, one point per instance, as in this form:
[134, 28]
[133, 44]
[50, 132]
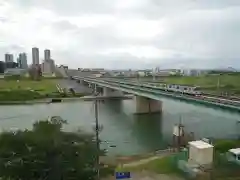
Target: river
[131, 134]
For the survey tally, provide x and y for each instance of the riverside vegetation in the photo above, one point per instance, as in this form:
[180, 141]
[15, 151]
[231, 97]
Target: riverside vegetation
[46, 152]
[12, 90]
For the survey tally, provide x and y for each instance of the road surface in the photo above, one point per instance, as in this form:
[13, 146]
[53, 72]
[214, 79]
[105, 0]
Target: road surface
[78, 88]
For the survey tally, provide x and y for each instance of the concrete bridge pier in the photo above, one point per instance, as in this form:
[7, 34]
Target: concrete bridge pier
[146, 105]
[81, 82]
[108, 92]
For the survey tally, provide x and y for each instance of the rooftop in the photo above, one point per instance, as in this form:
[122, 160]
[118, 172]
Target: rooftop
[235, 151]
[200, 144]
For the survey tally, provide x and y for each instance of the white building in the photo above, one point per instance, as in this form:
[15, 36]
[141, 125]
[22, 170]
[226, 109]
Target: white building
[48, 66]
[192, 72]
[15, 71]
[35, 56]
[234, 155]
[47, 54]
[200, 153]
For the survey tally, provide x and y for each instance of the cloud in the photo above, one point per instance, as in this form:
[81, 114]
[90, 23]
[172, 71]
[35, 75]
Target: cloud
[124, 33]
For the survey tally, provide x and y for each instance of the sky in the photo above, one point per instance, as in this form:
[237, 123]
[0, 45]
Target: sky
[117, 34]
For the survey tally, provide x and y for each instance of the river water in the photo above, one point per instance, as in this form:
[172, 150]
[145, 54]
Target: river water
[129, 133]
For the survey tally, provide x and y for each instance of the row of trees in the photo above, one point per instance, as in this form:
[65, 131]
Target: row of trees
[48, 153]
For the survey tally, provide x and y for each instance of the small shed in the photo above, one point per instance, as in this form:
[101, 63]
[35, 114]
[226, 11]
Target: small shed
[234, 155]
[200, 152]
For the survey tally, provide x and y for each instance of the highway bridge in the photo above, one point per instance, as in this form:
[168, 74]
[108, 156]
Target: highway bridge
[147, 95]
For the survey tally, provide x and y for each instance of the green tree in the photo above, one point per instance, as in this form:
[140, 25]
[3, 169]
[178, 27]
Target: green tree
[223, 146]
[46, 152]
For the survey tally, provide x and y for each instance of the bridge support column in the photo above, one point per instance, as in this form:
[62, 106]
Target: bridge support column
[111, 92]
[145, 105]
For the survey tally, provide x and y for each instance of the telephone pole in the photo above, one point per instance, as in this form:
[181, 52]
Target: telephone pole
[97, 133]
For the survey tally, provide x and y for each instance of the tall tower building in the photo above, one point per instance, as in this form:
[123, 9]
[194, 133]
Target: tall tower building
[8, 58]
[35, 56]
[22, 61]
[47, 54]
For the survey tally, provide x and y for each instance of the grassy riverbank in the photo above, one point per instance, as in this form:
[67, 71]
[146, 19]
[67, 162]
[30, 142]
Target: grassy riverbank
[161, 165]
[27, 90]
[210, 83]
[44, 86]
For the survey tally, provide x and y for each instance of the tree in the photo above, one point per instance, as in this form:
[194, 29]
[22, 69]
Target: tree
[46, 152]
[35, 72]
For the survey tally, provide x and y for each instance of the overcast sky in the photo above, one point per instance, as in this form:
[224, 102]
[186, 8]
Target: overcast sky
[124, 33]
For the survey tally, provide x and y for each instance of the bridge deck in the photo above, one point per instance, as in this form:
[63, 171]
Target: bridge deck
[91, 98]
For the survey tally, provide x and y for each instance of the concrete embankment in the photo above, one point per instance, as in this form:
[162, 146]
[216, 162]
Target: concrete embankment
[67, 99]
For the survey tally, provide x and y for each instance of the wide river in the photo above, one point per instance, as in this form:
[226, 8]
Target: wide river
[128, 133]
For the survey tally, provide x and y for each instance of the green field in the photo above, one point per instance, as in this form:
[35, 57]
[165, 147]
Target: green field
[25, 89]
[161, 165]
[44, 86]
[210, 83]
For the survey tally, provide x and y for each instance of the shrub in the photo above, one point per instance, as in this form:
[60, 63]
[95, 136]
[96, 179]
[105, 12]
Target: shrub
[223, 146]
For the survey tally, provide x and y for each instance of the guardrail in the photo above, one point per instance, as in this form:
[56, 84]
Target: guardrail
[135, 89]
[60, 90]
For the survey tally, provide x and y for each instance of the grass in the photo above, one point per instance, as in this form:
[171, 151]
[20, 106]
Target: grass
[43, 87]
[161, 166]
[26, 89]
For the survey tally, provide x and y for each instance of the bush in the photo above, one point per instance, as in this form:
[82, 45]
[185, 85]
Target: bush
[19, 95]
[223, 146]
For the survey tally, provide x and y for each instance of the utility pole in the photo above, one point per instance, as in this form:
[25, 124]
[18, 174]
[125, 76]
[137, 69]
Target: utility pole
[218, 83]
[97, 133]
[153, 73]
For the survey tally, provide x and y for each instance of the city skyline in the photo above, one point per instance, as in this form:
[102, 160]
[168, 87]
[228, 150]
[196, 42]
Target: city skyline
[10, 57]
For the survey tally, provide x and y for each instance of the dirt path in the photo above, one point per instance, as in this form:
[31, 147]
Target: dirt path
[146, 175]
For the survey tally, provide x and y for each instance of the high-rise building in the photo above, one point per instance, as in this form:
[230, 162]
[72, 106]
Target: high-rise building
[47, 54]
[35, 56]
[22, 61]
[48, 66]
[8, 58]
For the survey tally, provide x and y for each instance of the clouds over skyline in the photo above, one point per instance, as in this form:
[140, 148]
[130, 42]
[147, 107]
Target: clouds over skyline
[124, 33]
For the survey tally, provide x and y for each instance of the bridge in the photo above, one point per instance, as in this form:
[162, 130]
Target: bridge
[147, 98]
[145, 101]
[148, 95]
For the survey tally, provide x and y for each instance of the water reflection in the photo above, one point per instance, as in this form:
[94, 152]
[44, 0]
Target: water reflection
[123, 132]
[147, 128]
[112, 105]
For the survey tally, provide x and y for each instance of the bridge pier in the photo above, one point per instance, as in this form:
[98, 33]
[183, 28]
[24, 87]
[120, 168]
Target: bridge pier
[108, 92]
[145, 105]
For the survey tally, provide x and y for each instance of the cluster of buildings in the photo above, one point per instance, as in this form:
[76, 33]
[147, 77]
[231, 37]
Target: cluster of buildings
[47, 66]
